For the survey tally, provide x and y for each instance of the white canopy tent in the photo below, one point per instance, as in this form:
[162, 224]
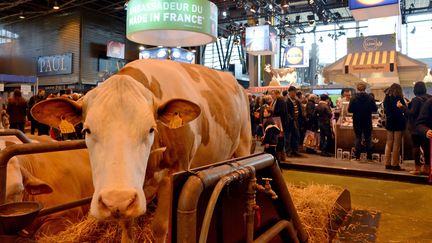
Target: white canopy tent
[405, 70]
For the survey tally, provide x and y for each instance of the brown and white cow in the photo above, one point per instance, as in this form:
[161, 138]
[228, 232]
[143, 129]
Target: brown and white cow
[52, 179]
[129, 116]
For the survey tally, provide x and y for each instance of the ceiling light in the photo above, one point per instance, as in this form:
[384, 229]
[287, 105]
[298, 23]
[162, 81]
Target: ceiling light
[270, 6]
[193, 50]
[56, 6]
[21, 16]
[141, 48]
[224, 14]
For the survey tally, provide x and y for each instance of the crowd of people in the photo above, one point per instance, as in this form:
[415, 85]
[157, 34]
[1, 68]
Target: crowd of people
[280, 121]
[16, 112]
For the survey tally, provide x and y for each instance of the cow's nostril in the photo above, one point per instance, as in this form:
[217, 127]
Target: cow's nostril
[132, 201]
[102, 203]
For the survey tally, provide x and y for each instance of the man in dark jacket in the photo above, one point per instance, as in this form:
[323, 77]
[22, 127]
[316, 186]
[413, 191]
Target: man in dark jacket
[323, 115]
[362, 106]
[413, 111]
[295, 117]
[424, 125]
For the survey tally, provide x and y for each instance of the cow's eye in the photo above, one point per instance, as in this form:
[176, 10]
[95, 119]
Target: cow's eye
[151, 130]
[85, 131]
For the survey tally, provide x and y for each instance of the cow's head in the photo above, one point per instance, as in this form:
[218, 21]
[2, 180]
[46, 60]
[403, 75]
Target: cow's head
[120, 121]
[20, 179]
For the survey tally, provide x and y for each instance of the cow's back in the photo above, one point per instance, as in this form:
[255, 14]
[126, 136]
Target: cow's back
[224, 122]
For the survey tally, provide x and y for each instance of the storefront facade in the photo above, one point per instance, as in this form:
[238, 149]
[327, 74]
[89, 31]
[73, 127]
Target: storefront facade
[66, 50]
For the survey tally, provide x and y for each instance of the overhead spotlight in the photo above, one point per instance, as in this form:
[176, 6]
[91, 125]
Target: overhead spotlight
[141, 48]
[193, 50]
[270, 6]
[413, 30]
[21, 16]
[320, 39]
[311, 19]
[284, 4]
[224, 13]
[56, 6]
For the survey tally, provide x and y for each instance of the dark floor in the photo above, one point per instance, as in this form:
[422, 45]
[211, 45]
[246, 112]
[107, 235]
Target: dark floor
[316, 162]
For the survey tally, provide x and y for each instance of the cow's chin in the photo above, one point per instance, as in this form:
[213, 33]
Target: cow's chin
[108, 212]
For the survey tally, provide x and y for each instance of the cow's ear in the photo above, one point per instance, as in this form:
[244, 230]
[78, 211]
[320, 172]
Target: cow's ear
[177, 113]
[52, 111]
[34, 185]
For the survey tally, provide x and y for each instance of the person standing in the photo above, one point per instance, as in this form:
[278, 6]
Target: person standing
[418, 141]
[280, 109]
[394, 106]
[424, 128]
[17, 110]
[323, 115]
[41, 128]
[294, 122]
[362, 106]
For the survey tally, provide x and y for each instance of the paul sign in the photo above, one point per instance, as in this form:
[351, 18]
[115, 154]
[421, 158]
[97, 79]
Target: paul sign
[54, 65]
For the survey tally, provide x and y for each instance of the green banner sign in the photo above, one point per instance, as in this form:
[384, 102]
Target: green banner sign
[172, 22]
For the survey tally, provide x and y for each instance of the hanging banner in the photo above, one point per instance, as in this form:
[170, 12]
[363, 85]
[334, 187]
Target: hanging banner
[296, 56]
[172, 23]
[261, 40]
[370, 9]
[372, 43]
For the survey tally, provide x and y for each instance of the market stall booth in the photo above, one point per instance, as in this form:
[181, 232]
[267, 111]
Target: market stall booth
[373, 60]
[27, 84]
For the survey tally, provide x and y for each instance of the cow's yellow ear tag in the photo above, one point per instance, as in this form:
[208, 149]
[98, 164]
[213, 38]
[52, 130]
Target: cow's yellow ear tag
[66, 127]
[176, 121]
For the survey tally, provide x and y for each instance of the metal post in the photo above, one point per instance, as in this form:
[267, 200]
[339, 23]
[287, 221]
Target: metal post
[219, 55]
[31, 148]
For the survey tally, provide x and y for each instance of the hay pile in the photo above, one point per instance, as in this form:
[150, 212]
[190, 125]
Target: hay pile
[90, 230]
[314, 204]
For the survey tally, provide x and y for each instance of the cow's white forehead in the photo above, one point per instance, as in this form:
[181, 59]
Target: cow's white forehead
[119, 99]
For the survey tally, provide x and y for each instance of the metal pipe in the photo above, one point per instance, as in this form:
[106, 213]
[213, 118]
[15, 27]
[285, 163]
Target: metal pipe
[236, 175]
[276, 229]
[250, 208]
[15, 132]
[195, 185]
[280, 185]
[65, 206]
[31, 148]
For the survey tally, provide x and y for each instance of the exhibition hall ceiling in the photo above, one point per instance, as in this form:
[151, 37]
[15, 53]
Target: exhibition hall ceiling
[298, 12]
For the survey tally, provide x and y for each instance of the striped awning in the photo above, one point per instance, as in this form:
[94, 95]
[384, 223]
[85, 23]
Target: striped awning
[368, 62]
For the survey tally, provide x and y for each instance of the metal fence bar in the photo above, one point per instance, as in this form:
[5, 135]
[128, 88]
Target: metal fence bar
[15, 132]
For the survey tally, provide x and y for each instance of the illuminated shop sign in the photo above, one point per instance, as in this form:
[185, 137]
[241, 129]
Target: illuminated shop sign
[357, 4]
[296, 56]
[115, 49]
[172, 22]
[54, 65]
[261, 40]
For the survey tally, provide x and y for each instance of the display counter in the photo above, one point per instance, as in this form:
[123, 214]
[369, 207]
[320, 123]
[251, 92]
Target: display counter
[345, 137]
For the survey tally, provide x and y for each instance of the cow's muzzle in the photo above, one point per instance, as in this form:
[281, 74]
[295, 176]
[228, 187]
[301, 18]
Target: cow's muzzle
[119, 204]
